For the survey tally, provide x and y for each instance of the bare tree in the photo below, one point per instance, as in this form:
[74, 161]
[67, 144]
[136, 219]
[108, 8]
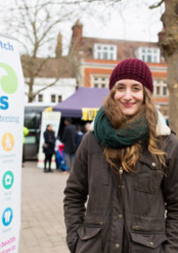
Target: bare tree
[36, 24]
[168, 41]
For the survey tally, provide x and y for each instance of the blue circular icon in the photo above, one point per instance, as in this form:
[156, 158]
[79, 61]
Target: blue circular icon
[7, 216]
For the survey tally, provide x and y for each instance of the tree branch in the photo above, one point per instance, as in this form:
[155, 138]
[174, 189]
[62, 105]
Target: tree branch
[156, 5]
[44, 88]
[40, 66]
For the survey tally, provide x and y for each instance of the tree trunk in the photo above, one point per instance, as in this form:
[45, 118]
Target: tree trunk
[30, 93]
[172, 81]
[169, 45]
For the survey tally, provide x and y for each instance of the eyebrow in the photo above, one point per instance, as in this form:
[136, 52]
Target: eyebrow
[139, 84]
[132, 84]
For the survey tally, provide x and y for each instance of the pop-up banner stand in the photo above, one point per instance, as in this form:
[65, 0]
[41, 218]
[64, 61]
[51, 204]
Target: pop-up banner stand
[54, 119]
[11, 138]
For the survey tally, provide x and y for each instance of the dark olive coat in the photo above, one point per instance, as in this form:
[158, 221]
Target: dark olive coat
[49, 139]
[108, 226]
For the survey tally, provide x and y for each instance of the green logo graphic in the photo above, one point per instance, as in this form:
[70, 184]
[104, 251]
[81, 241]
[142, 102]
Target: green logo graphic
[8, 180]
[9, 82]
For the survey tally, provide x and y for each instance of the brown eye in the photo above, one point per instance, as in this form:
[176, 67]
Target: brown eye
[136, 88]
[120, 88]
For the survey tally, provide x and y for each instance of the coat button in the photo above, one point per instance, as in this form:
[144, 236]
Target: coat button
[120, 216]
[151, 243]
[117, 245]
[153, 164]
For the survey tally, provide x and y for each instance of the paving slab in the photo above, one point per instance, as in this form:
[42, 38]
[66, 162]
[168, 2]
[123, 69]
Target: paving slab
[42, 219]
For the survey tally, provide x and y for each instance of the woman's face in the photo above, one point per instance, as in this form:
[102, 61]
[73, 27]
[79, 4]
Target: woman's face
[129, 95]
[49, 127]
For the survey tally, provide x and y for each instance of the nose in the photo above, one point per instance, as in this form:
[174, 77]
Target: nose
[128, 95]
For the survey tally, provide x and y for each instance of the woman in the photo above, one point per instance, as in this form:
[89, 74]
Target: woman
[127, 169]
[48, 147]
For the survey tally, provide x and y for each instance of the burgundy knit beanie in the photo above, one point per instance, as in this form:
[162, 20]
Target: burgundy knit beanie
[134, 69]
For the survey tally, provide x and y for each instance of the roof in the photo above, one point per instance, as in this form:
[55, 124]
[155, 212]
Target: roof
[84, 97]
[47, 67]
[125, 48]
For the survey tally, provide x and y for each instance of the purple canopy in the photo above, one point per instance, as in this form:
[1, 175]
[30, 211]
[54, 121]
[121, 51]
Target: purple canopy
[83, 98]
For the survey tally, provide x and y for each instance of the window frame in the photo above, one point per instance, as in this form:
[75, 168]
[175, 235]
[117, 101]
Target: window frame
[149, 54]
[40, 98]
[105, 51]
[53, 96]
[99, 81]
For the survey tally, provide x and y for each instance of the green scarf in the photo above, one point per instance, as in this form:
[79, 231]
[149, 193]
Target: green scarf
[123, 137]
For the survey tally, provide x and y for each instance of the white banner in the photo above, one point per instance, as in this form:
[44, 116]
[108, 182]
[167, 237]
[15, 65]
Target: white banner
[54, 119]
[11, 133]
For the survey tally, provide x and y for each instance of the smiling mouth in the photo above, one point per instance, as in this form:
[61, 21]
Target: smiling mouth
[127, 104]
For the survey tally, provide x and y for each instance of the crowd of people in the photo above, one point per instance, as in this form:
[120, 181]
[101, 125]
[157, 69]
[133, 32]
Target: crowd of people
[65, 148]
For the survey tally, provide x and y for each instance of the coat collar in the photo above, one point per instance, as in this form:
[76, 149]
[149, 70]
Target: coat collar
[161, 127]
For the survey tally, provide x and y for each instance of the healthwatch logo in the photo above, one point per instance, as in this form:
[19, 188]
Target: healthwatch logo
[8, 83]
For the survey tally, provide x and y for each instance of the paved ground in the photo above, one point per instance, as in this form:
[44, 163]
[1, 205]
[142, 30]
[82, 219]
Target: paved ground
[42, 227]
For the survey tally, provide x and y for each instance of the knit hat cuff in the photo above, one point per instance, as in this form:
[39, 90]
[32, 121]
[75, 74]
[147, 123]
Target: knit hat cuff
[133, 69]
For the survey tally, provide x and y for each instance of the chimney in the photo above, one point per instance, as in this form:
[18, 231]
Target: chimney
[58, 50]
[76, 41]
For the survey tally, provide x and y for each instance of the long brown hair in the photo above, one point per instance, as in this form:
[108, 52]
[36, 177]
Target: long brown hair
[128, 156]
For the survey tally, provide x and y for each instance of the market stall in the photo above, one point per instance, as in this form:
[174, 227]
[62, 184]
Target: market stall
[84, 103]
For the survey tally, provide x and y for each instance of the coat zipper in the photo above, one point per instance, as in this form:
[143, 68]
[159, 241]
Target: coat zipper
[144, 229]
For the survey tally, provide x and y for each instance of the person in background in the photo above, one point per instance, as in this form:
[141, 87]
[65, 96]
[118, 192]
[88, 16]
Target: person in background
[60, 157]
[48, 147]
[56, 149]
[78, 136]
[125, 173]
[25, 133]
[68, 139]
[87, 127]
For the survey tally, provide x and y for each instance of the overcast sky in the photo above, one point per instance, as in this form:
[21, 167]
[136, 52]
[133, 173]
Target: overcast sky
[134, 21]
[129, 20]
